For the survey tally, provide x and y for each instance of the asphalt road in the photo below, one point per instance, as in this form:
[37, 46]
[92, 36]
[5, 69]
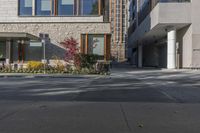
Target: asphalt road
[128, 101]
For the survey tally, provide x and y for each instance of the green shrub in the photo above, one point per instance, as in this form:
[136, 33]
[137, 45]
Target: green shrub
[85, 60]
[102, 67]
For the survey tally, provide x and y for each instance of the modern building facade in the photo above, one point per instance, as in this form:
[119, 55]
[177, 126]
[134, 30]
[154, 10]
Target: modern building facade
[97, 25]
[164, 33]
[22, 22]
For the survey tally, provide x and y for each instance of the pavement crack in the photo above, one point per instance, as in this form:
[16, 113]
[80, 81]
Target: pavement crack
[169, 96]
[8, 115]
[125, 117]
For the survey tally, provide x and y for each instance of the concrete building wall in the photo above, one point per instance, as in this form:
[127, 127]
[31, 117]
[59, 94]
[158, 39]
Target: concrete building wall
[184, 18]
[150, 56]
[175, 13]
[184, 38]
[162, 55]
[195, 33]
[164, 14]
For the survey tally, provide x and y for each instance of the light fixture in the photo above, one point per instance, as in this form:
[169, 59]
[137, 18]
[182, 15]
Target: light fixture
[22, 41]
[18, 41]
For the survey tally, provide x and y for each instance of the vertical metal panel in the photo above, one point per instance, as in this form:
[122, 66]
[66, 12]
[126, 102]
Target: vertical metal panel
[99, 6]
[121, 25]
[114, 24]
[86, 43]
[81, 44]
[108, 47]
[77, 7]
[105, 46]
[55, 7]
[110, 10]
[33, 7]
[51, 2]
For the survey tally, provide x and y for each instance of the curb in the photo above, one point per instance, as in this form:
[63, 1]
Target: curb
[51, 76]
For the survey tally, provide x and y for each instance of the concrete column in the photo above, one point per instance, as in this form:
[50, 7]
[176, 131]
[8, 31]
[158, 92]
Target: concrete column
[8, 51]
[140, 57]
[171, 49]
[137, 9]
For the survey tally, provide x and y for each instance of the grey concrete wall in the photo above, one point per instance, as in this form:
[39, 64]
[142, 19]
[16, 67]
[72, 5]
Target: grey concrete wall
[174, 13]
[150, 56]
[182, 16]
[162, 53]
[184, 38]
[195, 33]
[164, 14]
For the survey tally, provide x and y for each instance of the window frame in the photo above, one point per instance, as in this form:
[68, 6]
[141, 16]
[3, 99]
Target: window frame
[54, 10]
[58, 4]
[18, 7]
[107, 44]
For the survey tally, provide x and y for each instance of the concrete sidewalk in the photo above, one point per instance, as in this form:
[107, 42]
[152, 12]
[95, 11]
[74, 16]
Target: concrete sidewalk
[153, 101]
[27, 75]
[98, 117]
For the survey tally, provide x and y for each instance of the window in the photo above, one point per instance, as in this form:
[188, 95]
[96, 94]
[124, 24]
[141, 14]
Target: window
[66, 7]
[32, 49]
[63, 7]
[98, 44]
[2, 50]
[88, 7]
[25, 7]
[44, 7]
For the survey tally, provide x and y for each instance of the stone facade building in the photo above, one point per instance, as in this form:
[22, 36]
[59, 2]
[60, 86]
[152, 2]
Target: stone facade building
[23, 22]
[119, 26]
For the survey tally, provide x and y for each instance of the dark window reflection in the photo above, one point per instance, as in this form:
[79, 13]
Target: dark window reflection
[88, 7]
[66, 7]
[25, 7]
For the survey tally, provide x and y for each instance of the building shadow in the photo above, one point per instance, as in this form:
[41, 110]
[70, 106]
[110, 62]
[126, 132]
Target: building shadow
[168, 89]
[53, 50]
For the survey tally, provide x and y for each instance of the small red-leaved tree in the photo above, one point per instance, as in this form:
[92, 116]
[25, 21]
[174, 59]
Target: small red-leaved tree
[71, 46]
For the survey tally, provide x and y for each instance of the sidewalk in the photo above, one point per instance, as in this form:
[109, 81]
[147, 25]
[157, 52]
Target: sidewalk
[125, 66]
[116, 69]
[27, 75]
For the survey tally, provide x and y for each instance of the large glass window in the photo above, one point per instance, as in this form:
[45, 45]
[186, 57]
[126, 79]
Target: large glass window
[2, 50]
[32, 49]
[88, 7]
[98, 44]
[66, 7]
[44, 7]
[25, 7]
